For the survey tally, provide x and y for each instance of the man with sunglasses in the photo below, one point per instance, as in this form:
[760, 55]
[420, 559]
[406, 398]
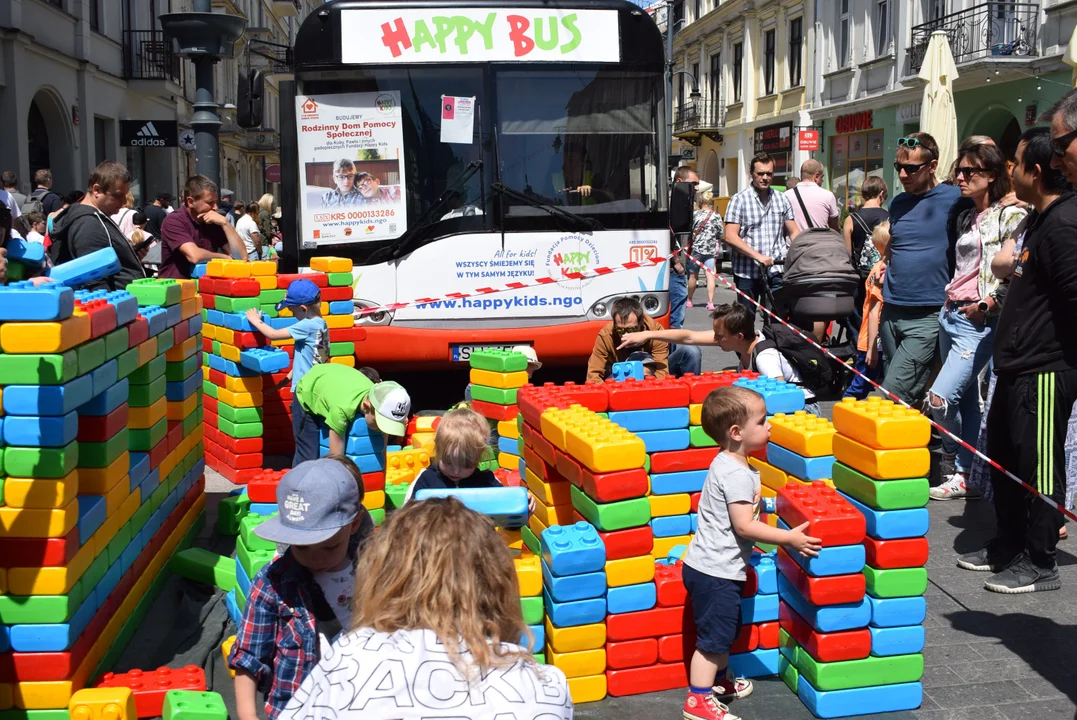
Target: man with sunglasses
[629, 317]
[922, 238]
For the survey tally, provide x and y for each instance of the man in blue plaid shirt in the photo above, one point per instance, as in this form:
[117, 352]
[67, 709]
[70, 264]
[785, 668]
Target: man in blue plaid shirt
[759, 223]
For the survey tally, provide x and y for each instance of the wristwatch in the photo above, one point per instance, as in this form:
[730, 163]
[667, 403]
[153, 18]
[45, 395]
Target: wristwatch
[983, 307]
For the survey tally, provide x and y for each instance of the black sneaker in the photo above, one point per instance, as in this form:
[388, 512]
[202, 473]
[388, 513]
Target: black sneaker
[1023, 576]
[984, 560]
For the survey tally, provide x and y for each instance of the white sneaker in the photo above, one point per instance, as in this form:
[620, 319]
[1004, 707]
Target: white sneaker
[954, 488]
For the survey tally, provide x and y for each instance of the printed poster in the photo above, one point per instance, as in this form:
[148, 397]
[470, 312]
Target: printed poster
[351, 180]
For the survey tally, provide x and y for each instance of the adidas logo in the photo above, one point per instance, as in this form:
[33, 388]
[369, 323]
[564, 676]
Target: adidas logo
[148, 136]
[148, 130]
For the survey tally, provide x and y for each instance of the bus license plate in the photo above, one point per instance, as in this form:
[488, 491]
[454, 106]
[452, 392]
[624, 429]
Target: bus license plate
[462, 353]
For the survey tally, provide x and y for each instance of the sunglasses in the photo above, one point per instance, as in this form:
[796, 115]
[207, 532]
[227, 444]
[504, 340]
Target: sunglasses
[1061, 144]
[626, 330]
[909, 168]
[909, 142]
[967, 171]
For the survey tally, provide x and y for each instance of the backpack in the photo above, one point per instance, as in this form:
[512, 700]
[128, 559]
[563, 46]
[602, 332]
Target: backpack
[813, 366]
[35, 202]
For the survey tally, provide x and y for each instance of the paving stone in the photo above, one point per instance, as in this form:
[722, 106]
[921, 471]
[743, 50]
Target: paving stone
[1061, 709]
[974, 694]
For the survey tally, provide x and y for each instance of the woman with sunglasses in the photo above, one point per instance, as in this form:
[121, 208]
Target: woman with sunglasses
[973, 301]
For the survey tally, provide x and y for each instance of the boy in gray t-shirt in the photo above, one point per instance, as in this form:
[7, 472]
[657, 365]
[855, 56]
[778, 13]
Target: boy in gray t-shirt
[715, 566]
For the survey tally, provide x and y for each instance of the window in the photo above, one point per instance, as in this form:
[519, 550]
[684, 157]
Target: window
[882, 27]
[796, 40]
[714, 88]
[853, 158]
[934, 9]
[95, 15]
[738, 69]
[698, 8]
[695, 76]
[678, 15]
[845, 28]
[768, 61]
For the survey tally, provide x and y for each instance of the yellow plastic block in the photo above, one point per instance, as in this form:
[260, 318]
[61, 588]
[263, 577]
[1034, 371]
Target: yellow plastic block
[330, 264]
[504, 380]
[554, 424]
[52, 695]
[215, 267]
[45, 337]
[508, 429]
[882, 464]
[226, 648]
[7, 701]
[695, 414]
[98, 481]
[579, 664]
[228, 352]
[239, 399]
[555, 493]
[188, 288]
[508, 461]
[50, 580]
[170, 462]
[179, 410]
[140, 418]
[577, 638]
[34, 493]
[881, 424]
[246, 383]
[629, 571]
[38, 523]
[663, 545]
[209, 331]
[114, 703]
[266, 282]
[187, 348]
[147, 351]
[770, 476]
[803, 433]
[236, 269]
[282, 343]
[112, 525]
[285, 312]
[348, 360]
[663, 505]
[587, 689]
[514, 540]
[596, 442]
[399, 477]
[529, 573]
[552, 514]
[374, 499]
[423, 441]
[225, 336]
[262, 268]
[770, 519]
[339, 321]
[536, 526]
[114, 498]
[767, 492]
[323, 308]
[407, 460]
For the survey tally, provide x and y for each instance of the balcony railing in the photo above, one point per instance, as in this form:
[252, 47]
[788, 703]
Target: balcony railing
[990, 29]
[698, 115]
[147, 55]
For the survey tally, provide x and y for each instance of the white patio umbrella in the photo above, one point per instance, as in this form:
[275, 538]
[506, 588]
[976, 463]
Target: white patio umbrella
[1070, 57]
[937, 115]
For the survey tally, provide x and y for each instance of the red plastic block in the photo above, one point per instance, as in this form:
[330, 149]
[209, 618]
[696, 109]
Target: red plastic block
[247, 340]
[319, 279]
[174, 436]
[209, 301]
[333, 294]
[631, 653]
[620, 544]
[209, 404]
[100, 429]
[240, 445]
[670, 585]
[243, 461]
[903, 553]
[273, 380]
[760, 454]
[676, 648]
[533, 401]
[508, 478]
[207, 285]
[833, 590]
[181, 332]
[159, 452]
[39, 552]
[542, 447]
[647, 394]
[490, 411]
[603, 487]
[751, 582]
[237, 287]
[218, 378]
[768, 635]
[150, 687]
[655, 622]
[682, 460]
[695, 501]
[138, 331]
[825, 647]
[542, 469]
[830, 516]
[207, 345]
[592, 395]
[102, 316]
[654, 678]
[236, 476]
[355, 333]
[700, 386]
[262, 487]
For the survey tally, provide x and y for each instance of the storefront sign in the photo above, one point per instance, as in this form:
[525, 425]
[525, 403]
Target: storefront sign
[854, 122]
[809, 140]
[149, 133]
[774, 138]
[1031, 111]
[272, 173]
[909, 112]
[420, 35]
[688, 153]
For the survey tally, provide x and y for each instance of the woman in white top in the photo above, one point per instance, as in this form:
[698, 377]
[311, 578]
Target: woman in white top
[247, 227]
[125, 218]
[436, 627]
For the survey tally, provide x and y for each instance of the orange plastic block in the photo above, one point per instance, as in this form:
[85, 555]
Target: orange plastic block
[882, 424]
[43, 493]
[803, 433]
[45, 337]
[329, 264]
[38, 523]
[114, 703]
[140, 418]
[551, 493]
[188, 288]
[893, 464]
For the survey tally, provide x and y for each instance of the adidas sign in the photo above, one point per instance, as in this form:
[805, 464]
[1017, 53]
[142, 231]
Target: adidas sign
[148, 137]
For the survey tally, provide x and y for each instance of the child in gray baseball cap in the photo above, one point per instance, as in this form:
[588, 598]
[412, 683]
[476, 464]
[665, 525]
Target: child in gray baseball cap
[299, 602]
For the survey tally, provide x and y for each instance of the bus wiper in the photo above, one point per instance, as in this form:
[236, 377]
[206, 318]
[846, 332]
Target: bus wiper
[587, 223]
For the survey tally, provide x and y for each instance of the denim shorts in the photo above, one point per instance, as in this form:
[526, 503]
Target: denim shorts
[715, 609]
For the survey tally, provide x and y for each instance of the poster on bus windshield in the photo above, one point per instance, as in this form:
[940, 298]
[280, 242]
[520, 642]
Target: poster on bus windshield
[351, 175]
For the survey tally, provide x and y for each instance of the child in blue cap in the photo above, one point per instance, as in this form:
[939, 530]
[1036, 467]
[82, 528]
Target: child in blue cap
[310, 332]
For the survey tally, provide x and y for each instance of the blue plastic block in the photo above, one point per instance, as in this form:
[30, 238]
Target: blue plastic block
[341, 307]
[91, 515]
[243, 582]
[860, 701]
[671, 525]
[675, 483]
[902, 640]
[758, 663]
[695, 521]
[26, 252]
[897, 612]
[364, 445]
[236, 321]
[107, 401]
[149, 484]
[805, 468]
[5, 638]
[194, 325]
[182, 389]
[228, 367]
[215, 317]
[521, 467]
[265, 360]
[538, 633]
[766, 571]
[41, 431]
[664, 440]
[131, 552]
[51, 637]
[507, 506]
[573, 549]
[779, 396]
[508, 445]
[759, 609]
[264, 508]
[649, 420]
[23, 301]
[570, 588]
[111, 578]
[87, 269]
[105, 377]
[369, 463]
[837, 560]
[281, 323]
[156, 318]
[631, 598]
[893, 524]
[198, 270]
[173, 315]
[625, 370]
[233, 608]
[47, 399]
[570, 614]
[831, 618]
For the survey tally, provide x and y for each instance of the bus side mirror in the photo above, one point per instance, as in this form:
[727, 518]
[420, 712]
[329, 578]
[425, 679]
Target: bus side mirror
[682, 207]
[250, 100]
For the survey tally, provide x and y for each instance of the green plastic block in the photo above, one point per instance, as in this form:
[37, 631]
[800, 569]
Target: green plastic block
[95, 572]
[339, 279]
[139, 518]
[179, 371]
[520, 423]
[1, 484]
[16, 714]
[870, 671]
[787, 646]
[188, 705]
[102, 454]
[341, 349]
[40, 609]
[270, 311]
[239, 430]
[1, 460]
[498, 396]
[205, 567]
[209, 389]
[205, 357]
[157, 497]
[787, 671]
[215, 346]
[174, 478]
[31, 462]
[91, 355]
[540, 658]
[395, 493]
[33, 369]
[156, 291]
[647, 464]
[271, 297]
[533, 610]
[146, 395]
[15, 271]
[698, 438]
[895, 582]
[490, 465]
[149, 372]
[191, 422]
[118, 544]
[205, 315]
[239, 304]
[608, 517]
[145, 440]
[378, 516]
[530, 540]
[239, 415]
[881, 494]
[165, 341]
[498, 360]
[253, 560]
[127, 363]
[247, 535]
[116, 342]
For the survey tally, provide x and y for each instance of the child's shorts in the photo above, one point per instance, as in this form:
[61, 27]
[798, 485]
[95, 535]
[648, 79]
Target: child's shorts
[715, 608]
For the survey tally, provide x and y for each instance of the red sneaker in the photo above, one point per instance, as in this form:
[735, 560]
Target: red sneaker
[703, 706]
[732, 688]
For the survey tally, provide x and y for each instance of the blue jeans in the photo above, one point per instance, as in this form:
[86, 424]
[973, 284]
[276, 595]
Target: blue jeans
[685, 359]
[859, 388]
[755, 288]
[678, 296]
[965, 347]
[305, 430]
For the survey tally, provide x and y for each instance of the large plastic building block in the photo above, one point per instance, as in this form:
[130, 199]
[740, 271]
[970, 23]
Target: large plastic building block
[630, 542]
[881, 494]
[493, 411]
[759, 608]
[570, 588]
[604, 487]
[903, 640]
[765, 570]
[690, 481]
[625, 370]
[900, 553]
[507, 507]
[836, 560]
[578, 612]
[666, 505]
[498, 380]
[656, 622]
[683, 461]
[671, 526]
[598, 444]
[770, 476]
[882, 424]
[893, 524]
[829, 515]
[829, 618]
[757, 663]
[803, 433]
[109, 703]
[45, 337]
[23, 301]
[651, 420]
[612, 516]
[264, 360]
[591, 395]
[48, 431]
[25, 251]
[825, 646]
[156, 291]
[631, 654]
[590, 688]
[799, 466]
[629, 571]
[897, 612]
[700, 386]
[882, 464]
[866, 672]
[34, 369]
[579, 664]
[86, 269]
[193, 705]
[895, 582]
[832, 590]
[631, 598]
[575, 638]
[652, 678]
[858, 701]
[498, 360]
[328, 264]
[779, 396]
[648, 394]
[697, 438]
[205, 567]
[665, 440]
[573, 549]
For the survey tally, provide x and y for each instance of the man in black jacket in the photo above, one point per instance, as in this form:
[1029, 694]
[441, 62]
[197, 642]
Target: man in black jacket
[87, 226]
[1035, 359]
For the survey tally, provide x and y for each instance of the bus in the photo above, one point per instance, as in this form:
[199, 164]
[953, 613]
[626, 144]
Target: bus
[453, 149]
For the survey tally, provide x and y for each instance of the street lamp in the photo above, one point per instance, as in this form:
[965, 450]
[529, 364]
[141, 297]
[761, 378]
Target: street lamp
[671, 28]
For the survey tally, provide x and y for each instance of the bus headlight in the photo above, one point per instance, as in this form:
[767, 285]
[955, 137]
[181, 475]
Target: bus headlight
[650, 304]
[600, 309]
